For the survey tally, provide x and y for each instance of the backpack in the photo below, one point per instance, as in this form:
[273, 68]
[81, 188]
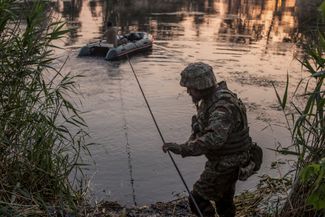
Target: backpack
[255, 162]
[256, 153]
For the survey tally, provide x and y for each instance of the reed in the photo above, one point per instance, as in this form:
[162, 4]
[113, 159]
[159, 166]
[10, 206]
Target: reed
[42, 136]
[304, 112]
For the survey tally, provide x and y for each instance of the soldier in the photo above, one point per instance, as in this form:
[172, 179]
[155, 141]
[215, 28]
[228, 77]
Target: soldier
[220, 132]
[111, 34]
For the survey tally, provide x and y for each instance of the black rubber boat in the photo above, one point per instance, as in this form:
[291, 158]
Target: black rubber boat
[129, 44]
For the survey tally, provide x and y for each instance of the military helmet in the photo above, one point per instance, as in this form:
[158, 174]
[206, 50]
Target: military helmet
[198, 75]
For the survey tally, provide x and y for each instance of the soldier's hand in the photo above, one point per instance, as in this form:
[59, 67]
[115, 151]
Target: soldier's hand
[173, 147]
[195, 125]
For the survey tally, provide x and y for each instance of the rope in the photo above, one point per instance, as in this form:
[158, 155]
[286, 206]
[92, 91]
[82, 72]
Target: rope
[127, 146]
[163, 140]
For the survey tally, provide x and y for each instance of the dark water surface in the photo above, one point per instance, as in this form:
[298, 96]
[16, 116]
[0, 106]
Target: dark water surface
[248, 43]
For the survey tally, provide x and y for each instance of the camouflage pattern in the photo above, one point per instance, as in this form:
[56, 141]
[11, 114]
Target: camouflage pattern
[216, 121]
[198, 75]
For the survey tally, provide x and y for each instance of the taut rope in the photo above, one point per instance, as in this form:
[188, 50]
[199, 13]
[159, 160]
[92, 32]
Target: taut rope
[163, 140]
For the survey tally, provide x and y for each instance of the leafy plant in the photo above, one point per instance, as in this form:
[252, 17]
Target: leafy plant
[304, 112]
[42, 137]
[314, 174]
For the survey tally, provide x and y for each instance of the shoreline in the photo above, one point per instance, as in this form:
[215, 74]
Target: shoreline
[267, 198]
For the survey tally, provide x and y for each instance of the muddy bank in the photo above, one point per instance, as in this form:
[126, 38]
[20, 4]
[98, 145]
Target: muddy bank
[266, 199]
[178, 207]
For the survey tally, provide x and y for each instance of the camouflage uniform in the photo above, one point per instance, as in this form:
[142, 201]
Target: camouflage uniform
[111, 35]
[220, 132]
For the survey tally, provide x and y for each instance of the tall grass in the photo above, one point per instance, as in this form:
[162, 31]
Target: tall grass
[41, 131]
[304, 112]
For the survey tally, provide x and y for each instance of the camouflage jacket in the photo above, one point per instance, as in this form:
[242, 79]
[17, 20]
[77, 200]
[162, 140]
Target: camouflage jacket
[220, 124]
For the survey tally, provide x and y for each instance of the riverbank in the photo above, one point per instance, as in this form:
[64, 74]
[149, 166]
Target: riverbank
[265, 200]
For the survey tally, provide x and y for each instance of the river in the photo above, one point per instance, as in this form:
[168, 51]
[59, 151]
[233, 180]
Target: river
[248, 44]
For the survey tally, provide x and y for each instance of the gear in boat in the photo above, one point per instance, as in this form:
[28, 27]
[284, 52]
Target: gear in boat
[128, 44]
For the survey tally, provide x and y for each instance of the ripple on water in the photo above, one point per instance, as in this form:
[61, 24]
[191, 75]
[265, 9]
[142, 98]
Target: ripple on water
[117, 112]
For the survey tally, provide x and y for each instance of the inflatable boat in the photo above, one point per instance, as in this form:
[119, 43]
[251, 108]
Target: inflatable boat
[128, 44]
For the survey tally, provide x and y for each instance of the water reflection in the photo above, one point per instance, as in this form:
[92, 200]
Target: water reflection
[237, 37]
[250, 21]
[234, 21]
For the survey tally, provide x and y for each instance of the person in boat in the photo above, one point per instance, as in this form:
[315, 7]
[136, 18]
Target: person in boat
[111, 34]
[220, 132]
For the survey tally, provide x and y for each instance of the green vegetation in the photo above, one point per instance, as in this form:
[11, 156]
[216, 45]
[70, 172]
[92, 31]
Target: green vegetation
[304, 112]
[41, 132]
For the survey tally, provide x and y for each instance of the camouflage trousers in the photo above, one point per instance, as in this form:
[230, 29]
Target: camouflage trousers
[220, 189]
[217, 183]
[219, 174]
[213, 185]
[225, 206]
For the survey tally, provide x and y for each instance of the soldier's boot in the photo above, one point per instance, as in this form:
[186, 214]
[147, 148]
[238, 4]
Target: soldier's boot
[226, 208]
[208, 211]
[204, 205]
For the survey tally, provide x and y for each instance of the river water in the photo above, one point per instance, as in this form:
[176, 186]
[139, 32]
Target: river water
[248, 44]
